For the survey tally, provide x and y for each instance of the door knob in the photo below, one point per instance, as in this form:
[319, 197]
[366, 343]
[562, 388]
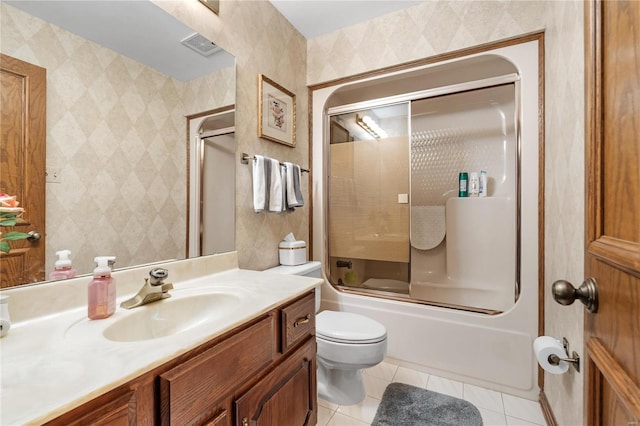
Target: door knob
[33, 236]
[565, 293]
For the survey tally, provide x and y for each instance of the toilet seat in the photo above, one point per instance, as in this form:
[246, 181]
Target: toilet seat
[347, 327]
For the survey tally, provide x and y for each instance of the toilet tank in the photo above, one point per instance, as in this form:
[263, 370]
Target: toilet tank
[310, 269]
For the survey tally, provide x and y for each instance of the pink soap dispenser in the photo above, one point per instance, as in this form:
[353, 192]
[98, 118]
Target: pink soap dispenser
[102, 289]
[62, 269]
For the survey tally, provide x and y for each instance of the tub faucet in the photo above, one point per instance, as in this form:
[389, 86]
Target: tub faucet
[344, 264]
[154, 289]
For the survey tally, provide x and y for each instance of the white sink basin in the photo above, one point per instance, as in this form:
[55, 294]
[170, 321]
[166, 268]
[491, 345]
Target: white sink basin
[171, 316]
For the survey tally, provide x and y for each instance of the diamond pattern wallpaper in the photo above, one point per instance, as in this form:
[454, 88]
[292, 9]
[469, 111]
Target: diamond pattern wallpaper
[116, 135]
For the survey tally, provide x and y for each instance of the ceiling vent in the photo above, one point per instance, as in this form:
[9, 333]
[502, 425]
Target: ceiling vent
[200, 44]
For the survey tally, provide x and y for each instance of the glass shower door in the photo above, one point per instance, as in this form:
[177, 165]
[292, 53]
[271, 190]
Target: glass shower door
[396, 223]
[368, 223]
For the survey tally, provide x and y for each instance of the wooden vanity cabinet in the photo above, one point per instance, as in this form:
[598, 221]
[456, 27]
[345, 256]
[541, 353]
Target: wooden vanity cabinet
[260, 373]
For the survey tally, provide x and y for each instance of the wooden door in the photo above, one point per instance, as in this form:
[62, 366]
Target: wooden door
[612, 256]
[22, 165]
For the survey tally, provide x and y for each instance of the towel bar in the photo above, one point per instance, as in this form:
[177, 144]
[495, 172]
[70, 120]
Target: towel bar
[246, 157]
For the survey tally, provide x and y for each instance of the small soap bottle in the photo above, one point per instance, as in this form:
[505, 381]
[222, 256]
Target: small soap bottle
[102, 290]
[474, 184]
[463, 179]
[483, 183]
[62, 269]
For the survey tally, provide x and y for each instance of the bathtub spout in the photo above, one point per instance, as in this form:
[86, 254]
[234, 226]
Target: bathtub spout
[344, 264]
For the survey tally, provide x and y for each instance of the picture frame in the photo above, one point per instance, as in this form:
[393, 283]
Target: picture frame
[276, 112]
[213, 5]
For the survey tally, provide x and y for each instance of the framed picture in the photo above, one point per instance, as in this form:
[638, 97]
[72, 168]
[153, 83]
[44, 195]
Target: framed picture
[213, 5]
[276, 112]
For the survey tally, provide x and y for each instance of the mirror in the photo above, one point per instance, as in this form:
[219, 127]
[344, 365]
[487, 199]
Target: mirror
[122, 79]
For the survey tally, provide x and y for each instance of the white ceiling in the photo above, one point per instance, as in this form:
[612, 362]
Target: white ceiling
[317, 17]
[144, 32]
[137, 29]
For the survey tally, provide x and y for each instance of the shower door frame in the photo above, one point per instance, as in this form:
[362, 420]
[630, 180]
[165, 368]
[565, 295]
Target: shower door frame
[502, 80]
[194, 142]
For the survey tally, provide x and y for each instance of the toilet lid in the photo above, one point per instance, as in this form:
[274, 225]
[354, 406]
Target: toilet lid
[346, 327]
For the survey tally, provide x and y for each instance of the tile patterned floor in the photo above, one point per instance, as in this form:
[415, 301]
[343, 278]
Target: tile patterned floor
[497, 409]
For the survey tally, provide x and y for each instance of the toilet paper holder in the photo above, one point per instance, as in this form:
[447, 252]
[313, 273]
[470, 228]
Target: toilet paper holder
[575, 360]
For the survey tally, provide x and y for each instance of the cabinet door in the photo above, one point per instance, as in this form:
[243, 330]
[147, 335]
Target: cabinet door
[286, 396]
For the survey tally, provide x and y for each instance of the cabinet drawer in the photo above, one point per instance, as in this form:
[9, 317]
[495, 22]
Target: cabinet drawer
[192, 389]
[298, 321]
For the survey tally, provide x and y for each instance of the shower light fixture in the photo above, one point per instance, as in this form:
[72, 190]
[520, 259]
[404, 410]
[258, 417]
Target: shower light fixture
[370, 126]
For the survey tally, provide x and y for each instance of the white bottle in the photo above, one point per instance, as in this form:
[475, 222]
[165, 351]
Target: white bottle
[483, 183]
[474, 184]
[62, 268]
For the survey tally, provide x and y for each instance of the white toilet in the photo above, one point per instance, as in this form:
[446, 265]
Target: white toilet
[347, 343]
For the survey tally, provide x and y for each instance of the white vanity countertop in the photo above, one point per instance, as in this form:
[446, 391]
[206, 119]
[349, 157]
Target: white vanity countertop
[52, 364]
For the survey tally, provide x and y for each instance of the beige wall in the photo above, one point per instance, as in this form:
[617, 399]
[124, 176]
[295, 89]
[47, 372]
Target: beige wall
[440, 26]
[564, 194]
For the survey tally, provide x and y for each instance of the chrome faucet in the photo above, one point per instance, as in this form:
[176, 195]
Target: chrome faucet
[153, 289]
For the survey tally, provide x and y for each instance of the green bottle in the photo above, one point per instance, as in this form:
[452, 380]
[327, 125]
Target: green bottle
[463, 181]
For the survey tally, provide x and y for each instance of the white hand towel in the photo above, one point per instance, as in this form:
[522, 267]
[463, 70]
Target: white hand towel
[268, 192]
[293, 194]
[259, 184]
[275, 191]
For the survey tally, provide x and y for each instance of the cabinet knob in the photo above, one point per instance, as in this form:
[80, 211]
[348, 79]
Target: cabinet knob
[245, 421]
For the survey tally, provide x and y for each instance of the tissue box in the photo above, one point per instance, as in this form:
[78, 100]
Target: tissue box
[292, 252]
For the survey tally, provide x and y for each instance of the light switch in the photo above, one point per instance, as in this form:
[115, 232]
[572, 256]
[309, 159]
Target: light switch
[403, 198]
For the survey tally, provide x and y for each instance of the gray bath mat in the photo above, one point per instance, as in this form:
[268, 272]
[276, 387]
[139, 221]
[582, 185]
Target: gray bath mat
[411, 406]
